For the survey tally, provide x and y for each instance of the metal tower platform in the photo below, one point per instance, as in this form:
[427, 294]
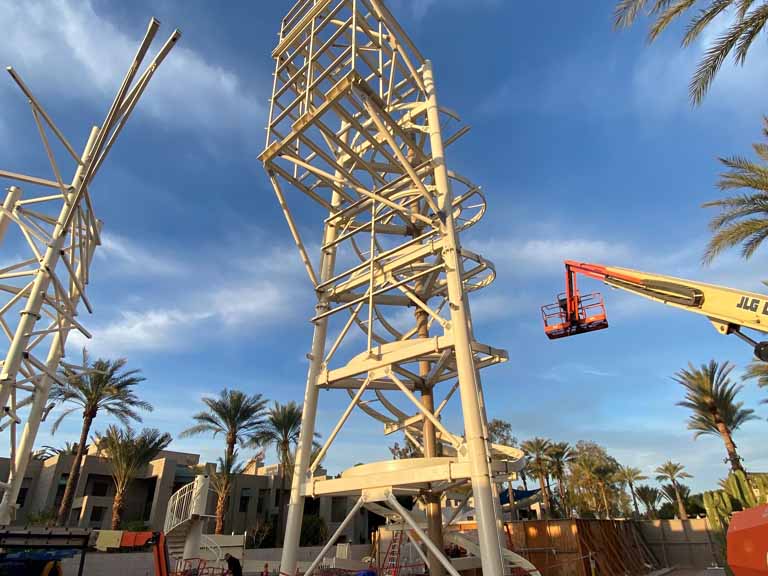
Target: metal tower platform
[355, 130]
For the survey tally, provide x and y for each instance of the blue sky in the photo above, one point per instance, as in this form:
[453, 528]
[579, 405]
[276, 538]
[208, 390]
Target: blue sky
[583, 139]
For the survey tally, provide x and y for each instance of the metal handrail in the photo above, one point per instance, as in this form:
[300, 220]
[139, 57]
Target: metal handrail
[212, 545]
[179, 507]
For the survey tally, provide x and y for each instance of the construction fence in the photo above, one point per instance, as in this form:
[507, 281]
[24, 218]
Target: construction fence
[610, 547]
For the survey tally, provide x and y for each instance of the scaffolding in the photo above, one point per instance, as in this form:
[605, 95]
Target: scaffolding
[356, 132]
[55, 224]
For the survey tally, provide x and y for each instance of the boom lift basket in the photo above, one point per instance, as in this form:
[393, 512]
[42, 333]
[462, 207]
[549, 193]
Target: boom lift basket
[590, 316]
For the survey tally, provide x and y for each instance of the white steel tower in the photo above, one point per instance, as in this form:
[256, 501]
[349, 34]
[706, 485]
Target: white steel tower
[56, 224]
[355, 128]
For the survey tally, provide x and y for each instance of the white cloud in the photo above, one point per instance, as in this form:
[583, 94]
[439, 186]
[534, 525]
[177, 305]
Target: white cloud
[127, 257]
[491, 307]
[146, 330]
[544, 256]
[253, 302]
[68, 48]
[418, 9]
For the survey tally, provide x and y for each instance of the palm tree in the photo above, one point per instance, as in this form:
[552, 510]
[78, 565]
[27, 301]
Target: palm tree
[743, 219]
[629, 476]
[673, 472]
[221, 484]
[538, 462]
[650, 497]
[281, 429]
[128, 453]
[711, 397]
[758, 370]
[749, 18]
[604, 473]
[559, 455]
[105, 386]
[238, 417]
[234, 414]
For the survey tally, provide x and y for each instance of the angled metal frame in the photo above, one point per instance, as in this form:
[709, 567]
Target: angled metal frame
[61, 232]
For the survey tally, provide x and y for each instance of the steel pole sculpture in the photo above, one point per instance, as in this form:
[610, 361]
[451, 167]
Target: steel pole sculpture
[356, 128]
[58, 228]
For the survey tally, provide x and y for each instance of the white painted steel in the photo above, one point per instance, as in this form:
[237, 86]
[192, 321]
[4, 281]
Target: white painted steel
[355, 128]
[61, 232]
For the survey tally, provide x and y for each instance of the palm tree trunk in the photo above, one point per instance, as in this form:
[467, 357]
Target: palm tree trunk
[680, 504]
[634, 501]
[544, 495]
[283, 490]
[525, 480]
[117, 509]
[221, 509]
[605, 500]
[730, 446]
[561, 490]
[74, 473]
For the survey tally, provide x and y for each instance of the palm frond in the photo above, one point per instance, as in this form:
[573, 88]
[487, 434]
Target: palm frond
[751, 26]
[757, 370]
[665, 18]
[626, 12]
[713, 59]
[704, 19]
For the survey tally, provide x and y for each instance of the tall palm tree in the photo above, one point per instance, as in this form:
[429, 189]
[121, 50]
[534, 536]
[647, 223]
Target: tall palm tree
[128, 453]
[650, 497]
[233, 414]
[758, 370]
[605, 473]
[559, 455]
[281, 429]
[539, 464]
[221, 484]
[630, 476]
[674, 472]
[748, 19]
[743, 219]
[710, 395]
[105, 386]
[238, 417]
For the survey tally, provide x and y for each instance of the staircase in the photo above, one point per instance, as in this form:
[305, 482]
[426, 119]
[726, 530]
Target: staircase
[184, 523]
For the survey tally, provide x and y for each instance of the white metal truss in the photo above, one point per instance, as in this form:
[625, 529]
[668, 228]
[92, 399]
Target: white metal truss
[355, 126]
[57, 227]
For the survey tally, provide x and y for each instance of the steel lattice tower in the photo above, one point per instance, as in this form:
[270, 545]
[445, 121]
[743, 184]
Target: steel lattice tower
[355, 125]
[56, 223]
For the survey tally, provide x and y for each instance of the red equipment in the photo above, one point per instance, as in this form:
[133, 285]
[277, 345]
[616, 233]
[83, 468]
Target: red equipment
[576, 313]
[748, 542]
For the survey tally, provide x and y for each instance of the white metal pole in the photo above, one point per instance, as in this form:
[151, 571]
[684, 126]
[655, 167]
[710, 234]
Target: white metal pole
[392, 500]
[14, 193]
[309, 410]
[469, 382]
[333, 538]
[29, 317]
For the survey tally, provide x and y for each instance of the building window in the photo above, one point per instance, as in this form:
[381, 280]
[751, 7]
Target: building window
[22, 496]
[245, 497]
[99, 489]
[338, 508]
[261, 502]
[60, 490]
[97, 514]
[277, 496]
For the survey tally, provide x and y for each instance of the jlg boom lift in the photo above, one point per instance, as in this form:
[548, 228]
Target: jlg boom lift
[729, 310]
